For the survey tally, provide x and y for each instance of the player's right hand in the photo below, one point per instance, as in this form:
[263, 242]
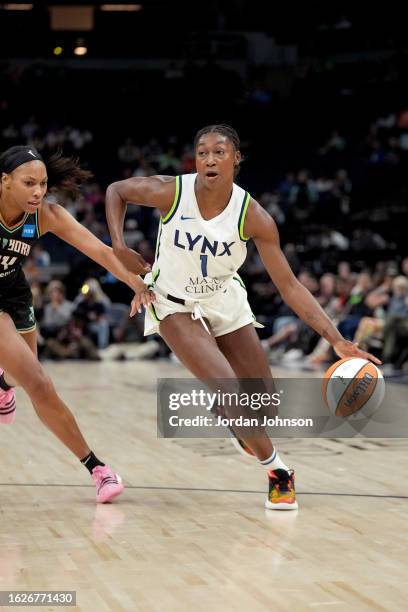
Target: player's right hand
[132, 260]
[346, 348]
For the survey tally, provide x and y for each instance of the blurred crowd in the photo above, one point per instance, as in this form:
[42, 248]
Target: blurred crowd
[369, 307]
[354, 267]
[81, 328]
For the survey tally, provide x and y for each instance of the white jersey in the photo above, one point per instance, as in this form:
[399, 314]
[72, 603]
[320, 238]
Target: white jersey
[197, 258]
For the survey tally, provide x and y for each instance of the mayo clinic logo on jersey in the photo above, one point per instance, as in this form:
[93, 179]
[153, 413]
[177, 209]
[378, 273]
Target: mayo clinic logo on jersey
[28, 231]
[204, 286]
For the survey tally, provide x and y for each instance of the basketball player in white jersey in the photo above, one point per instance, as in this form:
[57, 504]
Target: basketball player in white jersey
[201, 308]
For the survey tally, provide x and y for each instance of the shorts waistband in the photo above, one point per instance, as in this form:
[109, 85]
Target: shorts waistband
[173, 298]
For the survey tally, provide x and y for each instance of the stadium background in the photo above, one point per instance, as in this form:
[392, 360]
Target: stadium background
[318, 94]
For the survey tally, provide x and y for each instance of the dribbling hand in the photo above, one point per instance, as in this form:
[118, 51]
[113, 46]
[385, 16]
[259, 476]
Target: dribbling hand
[345, 348]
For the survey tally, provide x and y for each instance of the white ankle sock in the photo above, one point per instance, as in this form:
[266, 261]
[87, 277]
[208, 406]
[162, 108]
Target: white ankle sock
[274, 462]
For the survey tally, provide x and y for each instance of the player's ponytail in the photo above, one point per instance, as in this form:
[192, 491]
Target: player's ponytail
[65, 174]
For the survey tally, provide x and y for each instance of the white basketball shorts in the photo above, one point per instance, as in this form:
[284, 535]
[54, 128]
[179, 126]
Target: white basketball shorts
[225, 312]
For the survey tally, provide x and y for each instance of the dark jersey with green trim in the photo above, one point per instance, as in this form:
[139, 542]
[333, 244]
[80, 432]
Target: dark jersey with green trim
[15, 247]
[197, 258]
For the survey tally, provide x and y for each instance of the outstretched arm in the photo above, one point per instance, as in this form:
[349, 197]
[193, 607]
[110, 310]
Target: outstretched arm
[55, 219]
[154, 191]
[260, 226]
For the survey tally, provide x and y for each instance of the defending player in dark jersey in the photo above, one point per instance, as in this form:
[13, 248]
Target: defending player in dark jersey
[24, 216]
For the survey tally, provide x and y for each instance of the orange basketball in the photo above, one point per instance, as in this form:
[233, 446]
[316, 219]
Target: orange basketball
[353, 387]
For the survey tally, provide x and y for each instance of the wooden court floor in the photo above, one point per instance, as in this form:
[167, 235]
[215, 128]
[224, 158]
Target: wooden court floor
[190, 532]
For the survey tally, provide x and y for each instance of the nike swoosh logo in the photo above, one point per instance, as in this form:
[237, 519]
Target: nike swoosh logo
[183, 218]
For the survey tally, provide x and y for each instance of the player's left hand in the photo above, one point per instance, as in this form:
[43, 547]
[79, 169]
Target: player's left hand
[143, 297]
[132, 260]
[345, 348]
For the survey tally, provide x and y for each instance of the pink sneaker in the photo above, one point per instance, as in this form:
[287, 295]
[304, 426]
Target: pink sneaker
[7, 405]
[108, 484]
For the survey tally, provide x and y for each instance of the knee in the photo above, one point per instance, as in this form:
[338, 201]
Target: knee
[41, 387]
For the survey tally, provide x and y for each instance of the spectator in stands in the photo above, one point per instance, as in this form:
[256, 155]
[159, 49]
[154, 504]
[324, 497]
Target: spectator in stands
[284, 190]
[356, 306]
[286, 324]
[303, 196]
[167, 162]
[71, 343]
[344, 271]
[187, 160]
[57, 311]
[404, 266]
[336, 142]
[395, 349]
[41, 257]
[144, 168]
[128, 152]
[91, 305]
[270, 201]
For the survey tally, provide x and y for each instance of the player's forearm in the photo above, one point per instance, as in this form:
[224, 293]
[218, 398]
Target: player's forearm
[302, 302]
[115, 208]
[109, 261]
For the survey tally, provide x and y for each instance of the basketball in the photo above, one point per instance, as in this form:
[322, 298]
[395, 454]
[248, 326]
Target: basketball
[353, 388]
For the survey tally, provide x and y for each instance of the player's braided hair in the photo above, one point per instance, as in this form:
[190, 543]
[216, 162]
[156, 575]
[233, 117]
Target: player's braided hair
[221, 128]
[224, 130]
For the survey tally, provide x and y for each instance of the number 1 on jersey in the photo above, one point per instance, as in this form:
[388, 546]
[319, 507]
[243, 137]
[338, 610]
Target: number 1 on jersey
[203, 259]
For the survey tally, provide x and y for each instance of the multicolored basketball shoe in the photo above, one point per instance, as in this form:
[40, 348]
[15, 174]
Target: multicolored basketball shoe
[108, 484]
[7, 405]
[281, 494]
